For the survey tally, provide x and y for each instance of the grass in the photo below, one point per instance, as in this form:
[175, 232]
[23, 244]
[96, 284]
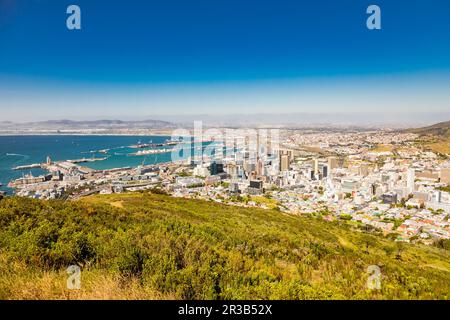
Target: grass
[383, 148]
[18, 281]
[270, 203]
[157, 247]
[442, 147]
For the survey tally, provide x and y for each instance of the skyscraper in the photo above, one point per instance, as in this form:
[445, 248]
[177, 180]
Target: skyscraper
[216, 168]
[332, 163]
[284, 162]
[324, 171]
[316, 167]
[410, 177]
[260, 167]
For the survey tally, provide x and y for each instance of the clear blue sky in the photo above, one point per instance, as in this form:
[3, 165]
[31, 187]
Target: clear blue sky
[141, 58]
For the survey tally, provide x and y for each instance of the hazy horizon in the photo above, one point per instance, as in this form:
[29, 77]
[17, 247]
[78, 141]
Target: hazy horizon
[394, 120]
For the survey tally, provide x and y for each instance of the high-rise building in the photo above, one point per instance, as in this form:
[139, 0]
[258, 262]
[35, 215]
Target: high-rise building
[284, 162]
[316, 167]
[216, 168]
[332, 163]
[260, 167]
[311, 175]
[335, 162]
[410, 177]
[324, 171]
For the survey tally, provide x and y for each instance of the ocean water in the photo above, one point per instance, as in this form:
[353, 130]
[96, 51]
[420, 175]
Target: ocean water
[24, 150]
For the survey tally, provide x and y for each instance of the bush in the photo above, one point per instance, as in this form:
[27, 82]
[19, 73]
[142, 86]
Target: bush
[191, 249]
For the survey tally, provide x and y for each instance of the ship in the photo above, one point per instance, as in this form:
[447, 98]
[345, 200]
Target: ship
[151, 151]
[142, 145]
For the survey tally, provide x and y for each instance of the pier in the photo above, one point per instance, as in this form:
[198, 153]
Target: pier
[87, 160]
[30, 166]
[153, 145]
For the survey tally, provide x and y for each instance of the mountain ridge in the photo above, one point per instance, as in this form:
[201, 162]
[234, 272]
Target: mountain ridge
[440, 129]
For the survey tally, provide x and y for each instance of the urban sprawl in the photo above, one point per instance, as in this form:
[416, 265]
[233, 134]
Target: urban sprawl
[382, 181]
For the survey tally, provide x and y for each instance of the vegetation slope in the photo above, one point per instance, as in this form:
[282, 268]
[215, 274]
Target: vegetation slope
[441, 129]
[151, 246]
[435, 138]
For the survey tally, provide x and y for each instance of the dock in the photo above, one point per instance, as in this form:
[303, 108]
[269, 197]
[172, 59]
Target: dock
[87, 160]
[26, 167]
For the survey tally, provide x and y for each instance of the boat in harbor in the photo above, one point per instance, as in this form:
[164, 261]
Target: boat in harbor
[142, 145]
[151, 151]
[103, 151]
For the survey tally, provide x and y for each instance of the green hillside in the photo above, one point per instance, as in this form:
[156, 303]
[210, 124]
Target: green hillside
[441, 129]
[149, 246]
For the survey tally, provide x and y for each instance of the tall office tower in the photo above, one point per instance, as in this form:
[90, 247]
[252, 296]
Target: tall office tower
[316, 167]
[259, 167]
[287, 152]
[332, 163]
[216, 168]
[410, 177]
[324, 171]
[284, 162]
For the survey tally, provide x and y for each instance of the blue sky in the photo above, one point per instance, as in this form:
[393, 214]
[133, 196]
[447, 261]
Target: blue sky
[136, 59]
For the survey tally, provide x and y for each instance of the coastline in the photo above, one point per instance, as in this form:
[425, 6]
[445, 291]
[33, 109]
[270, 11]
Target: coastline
[27, 153]
[159, 134]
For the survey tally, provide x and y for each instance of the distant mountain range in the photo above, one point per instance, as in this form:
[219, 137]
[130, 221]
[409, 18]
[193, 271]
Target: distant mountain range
[79, 125]
[441, 129]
